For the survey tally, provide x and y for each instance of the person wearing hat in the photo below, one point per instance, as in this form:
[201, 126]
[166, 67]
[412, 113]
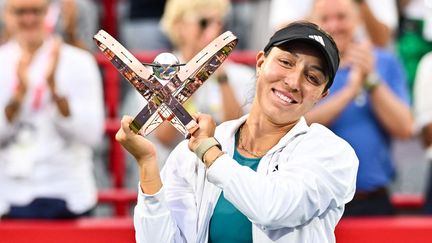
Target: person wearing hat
[265, 177]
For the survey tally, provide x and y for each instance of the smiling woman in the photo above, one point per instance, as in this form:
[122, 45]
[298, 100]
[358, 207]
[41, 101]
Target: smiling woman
[294, 81]
[282, 180]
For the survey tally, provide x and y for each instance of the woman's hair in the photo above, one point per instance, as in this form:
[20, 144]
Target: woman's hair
[176, 10]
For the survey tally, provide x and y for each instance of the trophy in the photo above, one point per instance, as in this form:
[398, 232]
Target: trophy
[170, 84]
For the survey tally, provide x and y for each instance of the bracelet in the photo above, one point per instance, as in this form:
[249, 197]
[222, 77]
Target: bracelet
[372, 81]
[208, 163]
[205, 145]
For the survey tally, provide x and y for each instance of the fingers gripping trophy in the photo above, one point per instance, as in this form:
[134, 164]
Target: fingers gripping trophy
[170, 84]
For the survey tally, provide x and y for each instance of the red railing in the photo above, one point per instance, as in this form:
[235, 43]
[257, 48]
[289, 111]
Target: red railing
[384, 230]
[86, 230]
[105, 230]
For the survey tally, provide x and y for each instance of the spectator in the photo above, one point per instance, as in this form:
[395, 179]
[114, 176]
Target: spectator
[272, 178]
[141, 30]
[423, 115]
[3, 29]
[367, 106]
[415, 34]
[248, 19]
[51, 117]
[379, 25]
[75, 20]
[190, 27]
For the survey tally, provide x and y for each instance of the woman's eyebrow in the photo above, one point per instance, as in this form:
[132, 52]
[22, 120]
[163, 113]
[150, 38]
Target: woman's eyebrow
[318, 67]
[292, 53]
[288, 51]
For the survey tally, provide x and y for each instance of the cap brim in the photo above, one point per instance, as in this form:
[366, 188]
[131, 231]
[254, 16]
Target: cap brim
[314, 43]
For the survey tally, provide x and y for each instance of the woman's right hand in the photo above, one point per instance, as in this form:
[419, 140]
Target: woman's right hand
[142, 149]
[22, 74]
[144, 152]
[362, 61]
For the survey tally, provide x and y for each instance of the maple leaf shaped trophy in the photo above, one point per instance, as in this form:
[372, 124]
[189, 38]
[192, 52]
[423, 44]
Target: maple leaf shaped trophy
[170, 84]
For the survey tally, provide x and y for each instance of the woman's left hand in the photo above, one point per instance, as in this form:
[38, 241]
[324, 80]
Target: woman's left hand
[206, 129]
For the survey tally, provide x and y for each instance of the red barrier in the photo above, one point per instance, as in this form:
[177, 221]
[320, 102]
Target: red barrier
[385, 230]
[90, 230]
[121, 199]
[83, 230]
[407, 201]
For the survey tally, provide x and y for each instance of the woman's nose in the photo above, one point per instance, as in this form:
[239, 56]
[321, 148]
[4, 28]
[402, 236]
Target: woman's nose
[292, 80]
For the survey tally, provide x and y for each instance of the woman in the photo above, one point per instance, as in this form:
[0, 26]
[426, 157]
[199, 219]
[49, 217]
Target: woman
[282, 180]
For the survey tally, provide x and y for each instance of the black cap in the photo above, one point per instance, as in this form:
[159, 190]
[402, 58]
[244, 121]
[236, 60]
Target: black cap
[312, 34]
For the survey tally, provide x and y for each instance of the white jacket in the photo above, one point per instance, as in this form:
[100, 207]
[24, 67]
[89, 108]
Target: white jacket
[297, 194]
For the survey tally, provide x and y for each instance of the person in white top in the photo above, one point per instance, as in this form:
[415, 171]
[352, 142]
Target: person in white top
[423, 115]
[379, 25]
[51, 118]
[282, 180]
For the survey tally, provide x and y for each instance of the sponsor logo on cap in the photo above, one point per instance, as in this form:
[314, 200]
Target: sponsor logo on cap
[317, 38]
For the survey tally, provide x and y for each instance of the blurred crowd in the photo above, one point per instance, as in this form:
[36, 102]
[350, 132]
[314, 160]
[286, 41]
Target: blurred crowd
[51, 94]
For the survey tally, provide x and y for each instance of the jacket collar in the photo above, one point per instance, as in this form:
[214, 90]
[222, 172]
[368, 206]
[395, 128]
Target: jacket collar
[230, 128]
[300, 128]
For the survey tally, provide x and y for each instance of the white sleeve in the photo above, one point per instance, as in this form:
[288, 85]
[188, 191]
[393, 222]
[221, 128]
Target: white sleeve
[171, 214]
[385, 11]
[422, 97]
[81, 83]
[153, 221]
[318, 175]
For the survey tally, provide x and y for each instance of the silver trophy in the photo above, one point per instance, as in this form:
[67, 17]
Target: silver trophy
[171, 82]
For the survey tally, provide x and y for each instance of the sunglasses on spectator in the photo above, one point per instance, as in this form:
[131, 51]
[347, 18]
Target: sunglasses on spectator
[204, 23]
[21, 11]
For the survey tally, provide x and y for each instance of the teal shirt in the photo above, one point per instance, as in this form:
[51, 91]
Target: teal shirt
[228, 224]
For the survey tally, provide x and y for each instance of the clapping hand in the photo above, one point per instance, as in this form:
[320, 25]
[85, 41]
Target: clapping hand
[52, 65]
[362, 61]
[22, 74]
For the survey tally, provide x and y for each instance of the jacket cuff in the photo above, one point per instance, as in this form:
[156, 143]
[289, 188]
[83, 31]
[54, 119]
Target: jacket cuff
[151, 205]
[222, 171]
